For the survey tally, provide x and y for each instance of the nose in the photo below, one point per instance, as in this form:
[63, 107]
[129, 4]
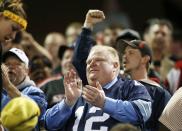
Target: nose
[160, 35]
[10, 67]
[92, 63]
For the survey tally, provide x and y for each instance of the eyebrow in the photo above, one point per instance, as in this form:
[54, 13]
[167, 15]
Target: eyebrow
[97, 58]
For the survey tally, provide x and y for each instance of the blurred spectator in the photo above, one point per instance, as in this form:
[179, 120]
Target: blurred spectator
[110, 35]
[20, 114]
[158, 34]
[32, 47]
[40, 70]
[52, 42]
[72, 32]
[174, 77]
[99, 37]
[54, 88]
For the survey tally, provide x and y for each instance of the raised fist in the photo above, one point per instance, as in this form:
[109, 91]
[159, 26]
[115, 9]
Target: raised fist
[93, 17]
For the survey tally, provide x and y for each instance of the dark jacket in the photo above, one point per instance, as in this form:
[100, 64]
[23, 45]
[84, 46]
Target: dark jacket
[160, 98]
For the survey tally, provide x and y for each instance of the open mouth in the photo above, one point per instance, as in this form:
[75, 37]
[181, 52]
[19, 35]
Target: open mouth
[11, 72]
[7, 39]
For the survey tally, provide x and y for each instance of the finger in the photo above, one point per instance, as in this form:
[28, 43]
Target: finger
[87, 98]
[79, 82]
[72, 76]
[5, 70]
[66, 78]
[91, 88]
[97, 14]
[98, 85]
[89, 92]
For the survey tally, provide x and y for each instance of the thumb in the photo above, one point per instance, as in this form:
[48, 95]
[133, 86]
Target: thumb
[98, 85]
[79, 83]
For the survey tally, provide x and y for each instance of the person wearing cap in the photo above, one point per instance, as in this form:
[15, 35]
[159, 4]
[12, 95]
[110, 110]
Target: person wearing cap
[16, 81]
[106, 99]
[128, 35]
[137, 57]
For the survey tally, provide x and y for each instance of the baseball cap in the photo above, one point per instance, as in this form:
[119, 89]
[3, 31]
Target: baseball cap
[137, 44]
[20, 114]
[128, 34]
[18, 53]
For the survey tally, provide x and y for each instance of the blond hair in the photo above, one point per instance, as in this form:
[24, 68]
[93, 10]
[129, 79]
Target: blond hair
[112, 53]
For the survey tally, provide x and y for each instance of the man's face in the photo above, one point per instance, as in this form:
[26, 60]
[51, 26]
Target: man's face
[99, 67]
[17, 70]
[109, 37]
[52, 44]
[131, 59]
[8, 29]
[66, 61]
[72, 34]
[159, 37]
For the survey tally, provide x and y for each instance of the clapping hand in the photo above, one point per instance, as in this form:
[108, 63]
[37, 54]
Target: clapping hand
[73, 87]
[94, 95]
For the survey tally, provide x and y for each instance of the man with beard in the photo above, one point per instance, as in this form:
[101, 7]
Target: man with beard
[158, 34]
[16, 81]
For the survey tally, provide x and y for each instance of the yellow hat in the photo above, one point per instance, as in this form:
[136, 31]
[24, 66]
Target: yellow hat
[20, 114]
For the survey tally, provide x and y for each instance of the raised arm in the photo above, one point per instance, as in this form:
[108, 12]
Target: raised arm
[85, 42]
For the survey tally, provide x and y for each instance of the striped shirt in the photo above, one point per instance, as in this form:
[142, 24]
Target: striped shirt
[172, 114]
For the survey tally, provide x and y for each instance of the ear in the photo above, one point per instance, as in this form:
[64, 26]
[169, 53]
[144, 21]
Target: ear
[146, 59]
[115, 65]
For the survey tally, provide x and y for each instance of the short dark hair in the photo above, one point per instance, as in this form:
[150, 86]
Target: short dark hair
[155, 21]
